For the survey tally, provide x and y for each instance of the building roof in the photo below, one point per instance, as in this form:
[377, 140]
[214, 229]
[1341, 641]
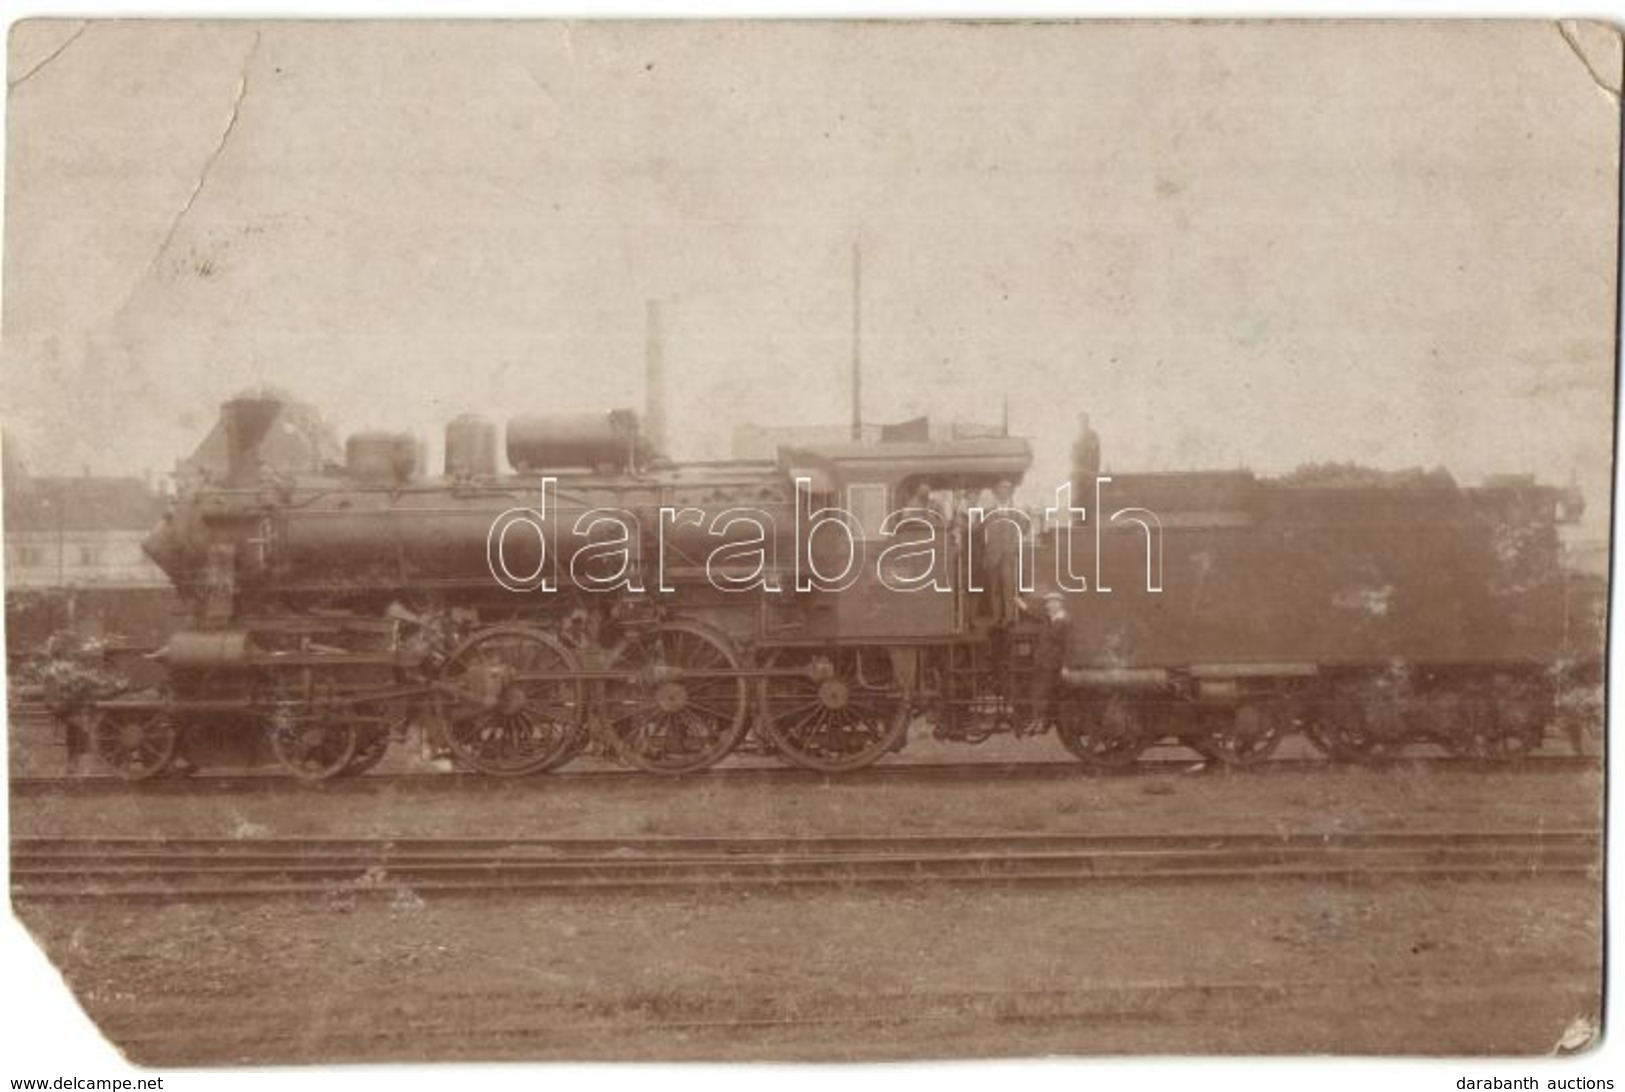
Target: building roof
[980, 462]
[82, 504]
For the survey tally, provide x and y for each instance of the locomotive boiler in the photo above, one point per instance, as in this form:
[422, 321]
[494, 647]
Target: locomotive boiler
[815, 606]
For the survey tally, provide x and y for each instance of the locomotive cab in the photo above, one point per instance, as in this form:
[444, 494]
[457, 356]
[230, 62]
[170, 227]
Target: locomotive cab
[896, 569]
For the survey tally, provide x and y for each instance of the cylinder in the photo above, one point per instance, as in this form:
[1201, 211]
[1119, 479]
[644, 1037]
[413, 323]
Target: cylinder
[471, 447]
[382, 457]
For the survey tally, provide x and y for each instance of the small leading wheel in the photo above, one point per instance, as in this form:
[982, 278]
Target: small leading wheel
[312, 734]
[1104, 735]
[136, 744]
[313, 746]
[824, 717]
[676, 700]
[372, 744]
[1244, 736]
[377, 726]
[513, 702]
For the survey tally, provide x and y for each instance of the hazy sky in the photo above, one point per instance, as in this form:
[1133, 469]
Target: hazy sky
[1242, 244]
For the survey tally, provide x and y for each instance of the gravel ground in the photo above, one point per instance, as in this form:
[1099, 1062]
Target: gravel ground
[1455, 968]
[1332, 798]
[1290, 967]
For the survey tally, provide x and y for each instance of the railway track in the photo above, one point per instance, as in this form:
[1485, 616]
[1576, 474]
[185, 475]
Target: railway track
[137, 869]
[275, 781]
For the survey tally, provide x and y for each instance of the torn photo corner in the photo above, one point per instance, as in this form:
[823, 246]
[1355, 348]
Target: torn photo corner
[540, 540]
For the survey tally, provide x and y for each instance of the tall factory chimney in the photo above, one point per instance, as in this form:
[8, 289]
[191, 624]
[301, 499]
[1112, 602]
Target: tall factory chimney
[654, 383]
[857, 342]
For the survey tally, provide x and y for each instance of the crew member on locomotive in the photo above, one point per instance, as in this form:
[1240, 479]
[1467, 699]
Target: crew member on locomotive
[1003, 537]
[918, 498]
[968, 562]
[1049, 655]
[1085, 460]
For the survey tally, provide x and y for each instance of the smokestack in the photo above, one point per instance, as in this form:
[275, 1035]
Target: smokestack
[246, 421]
[857, 342]
[654, 384]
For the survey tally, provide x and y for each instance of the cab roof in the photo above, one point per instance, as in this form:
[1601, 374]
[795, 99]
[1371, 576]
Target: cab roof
[965, 464]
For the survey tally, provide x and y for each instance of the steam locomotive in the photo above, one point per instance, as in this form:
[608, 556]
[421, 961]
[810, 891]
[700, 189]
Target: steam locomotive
[600, 597]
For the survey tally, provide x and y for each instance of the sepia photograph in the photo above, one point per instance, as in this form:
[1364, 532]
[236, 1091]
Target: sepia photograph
[815, 541]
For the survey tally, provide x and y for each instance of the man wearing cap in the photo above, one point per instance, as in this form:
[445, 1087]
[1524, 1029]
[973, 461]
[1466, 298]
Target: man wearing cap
[1003, 537]
[1049, 653]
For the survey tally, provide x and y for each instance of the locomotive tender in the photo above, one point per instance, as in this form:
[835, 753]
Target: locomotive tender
[600, 596]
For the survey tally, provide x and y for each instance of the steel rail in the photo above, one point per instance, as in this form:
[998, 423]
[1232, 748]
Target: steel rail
[209, 869]
[274, 779]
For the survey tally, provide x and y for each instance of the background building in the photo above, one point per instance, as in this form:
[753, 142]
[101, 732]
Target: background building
[73, 559]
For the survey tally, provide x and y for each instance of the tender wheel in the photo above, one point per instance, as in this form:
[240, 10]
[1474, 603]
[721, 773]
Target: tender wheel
[513, 702]
[678, 700]
[313, 746]
[136, 745]
[1339, 732]
[1520, 742]
[1501, 724]
[1244, 736]
[1579, 720]
[1103, 735]
[1473, 730]
[824, 718]
[1523, 712]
